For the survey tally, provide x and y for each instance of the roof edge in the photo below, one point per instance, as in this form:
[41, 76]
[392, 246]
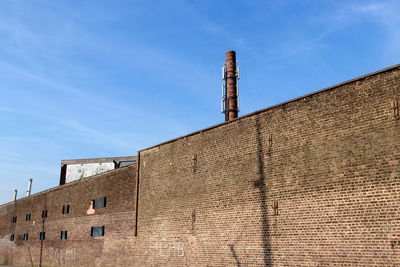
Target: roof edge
[397, 66]
[95, 160]
[59, 187]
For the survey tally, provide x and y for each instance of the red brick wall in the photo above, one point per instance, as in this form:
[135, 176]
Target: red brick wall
[333, 168]
[80, 248]
[206, 199]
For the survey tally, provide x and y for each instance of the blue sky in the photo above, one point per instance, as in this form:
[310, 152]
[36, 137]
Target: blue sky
[82, 79]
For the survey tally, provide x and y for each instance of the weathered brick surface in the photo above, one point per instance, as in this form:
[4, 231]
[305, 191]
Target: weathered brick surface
[80, 249]
[333, 167]
[206, 199]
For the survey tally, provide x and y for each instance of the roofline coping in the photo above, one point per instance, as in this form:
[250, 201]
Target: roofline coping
[397, 66]
[59, 187]
[98, 160]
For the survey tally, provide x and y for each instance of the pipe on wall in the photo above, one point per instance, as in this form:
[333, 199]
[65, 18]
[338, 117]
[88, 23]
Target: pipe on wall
[28, 192]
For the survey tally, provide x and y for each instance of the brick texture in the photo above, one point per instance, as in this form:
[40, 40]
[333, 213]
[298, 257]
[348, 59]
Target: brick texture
[80, 248]
[330, 162]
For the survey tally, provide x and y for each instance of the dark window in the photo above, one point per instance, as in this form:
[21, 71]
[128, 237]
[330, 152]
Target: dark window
[12, 237]
[28, 217]
[97, 231]
[42, 235]
[25, 236]
[44, 213]
[99, 203]
[14, 219]
[64, 234]
[65, 209]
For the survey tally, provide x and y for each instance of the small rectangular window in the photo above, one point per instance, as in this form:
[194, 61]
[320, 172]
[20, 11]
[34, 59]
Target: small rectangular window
[44, 213]
[97, 231]
[64, 234]
[28, 217]
[99, 203]
[25, 236]
[12, 237]
[65, 209]
[42, 235]
[14, 220]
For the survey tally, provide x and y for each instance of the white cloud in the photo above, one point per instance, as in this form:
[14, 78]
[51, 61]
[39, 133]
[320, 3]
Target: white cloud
[385, 13]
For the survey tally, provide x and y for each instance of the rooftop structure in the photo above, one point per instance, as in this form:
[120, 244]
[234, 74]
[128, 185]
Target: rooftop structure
[76, 169]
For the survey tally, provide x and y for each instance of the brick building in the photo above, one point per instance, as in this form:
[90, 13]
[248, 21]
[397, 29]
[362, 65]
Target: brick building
[314, 181]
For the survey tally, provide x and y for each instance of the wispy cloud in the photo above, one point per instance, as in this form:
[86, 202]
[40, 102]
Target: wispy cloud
[116, 77]
[92, 135]
[385, 13]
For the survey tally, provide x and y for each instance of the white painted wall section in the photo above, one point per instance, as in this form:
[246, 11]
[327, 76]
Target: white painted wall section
[82, 170]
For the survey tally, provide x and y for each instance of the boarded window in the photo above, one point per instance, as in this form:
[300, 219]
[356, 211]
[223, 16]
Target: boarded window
[28, 217]
[44, 213]
[64, 234]
[65, 209]
[99, 203]
[25, 236]
[97, 231]
[12, 237]
[42, 235]
[14, 220]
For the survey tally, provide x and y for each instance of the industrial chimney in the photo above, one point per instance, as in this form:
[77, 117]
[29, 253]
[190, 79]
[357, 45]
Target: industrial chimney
[230, 88]
[28, 192]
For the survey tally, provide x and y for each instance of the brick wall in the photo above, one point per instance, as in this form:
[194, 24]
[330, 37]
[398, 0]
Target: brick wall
[330, 161]
[80, 248]
[332, 166]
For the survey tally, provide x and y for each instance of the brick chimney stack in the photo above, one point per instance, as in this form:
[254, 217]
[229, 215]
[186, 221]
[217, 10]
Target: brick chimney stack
[230, 74]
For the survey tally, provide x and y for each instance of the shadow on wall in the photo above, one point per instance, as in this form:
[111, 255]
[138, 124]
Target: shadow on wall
[260, 183]
[30, 256]
[234, 255]
[43, 230]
